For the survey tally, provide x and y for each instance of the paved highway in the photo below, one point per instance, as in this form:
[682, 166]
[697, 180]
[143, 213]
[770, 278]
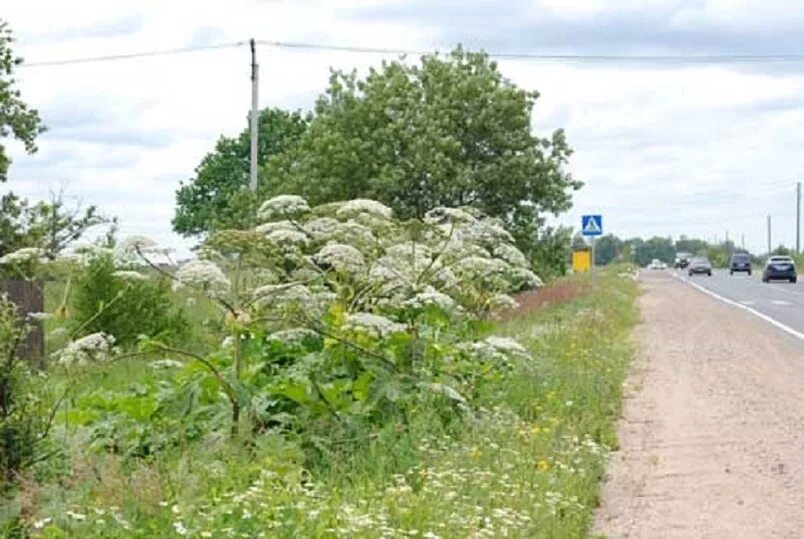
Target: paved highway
[783, 302]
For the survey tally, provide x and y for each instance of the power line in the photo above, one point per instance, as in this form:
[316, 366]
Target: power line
[132, 55]
[531, 56]
[706, 58]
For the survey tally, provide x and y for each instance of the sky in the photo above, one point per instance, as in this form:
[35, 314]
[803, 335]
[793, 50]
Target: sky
[664, 147]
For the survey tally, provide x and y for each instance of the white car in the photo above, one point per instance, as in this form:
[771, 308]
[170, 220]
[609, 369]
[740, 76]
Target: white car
[657, 264]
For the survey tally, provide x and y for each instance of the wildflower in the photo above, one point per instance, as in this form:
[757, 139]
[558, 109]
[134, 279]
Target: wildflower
[502, 302]
[524, 279]
[354, 234]
[21, 256]
[375, 325]
[130, 245]
[322, 228]
[94, 347]
[443, 215]
[543, 465]
[205, 274]
[287, 238]
[283, 206]
[293, 336]
[268, 228]
[506, 344]
[340, 257]
[361, 205]
[131, 275]
[510, 254]
[39, 317]
[431, 297]
[278, 295]
[479, 267]
[486, 232]
[76, 516]
[179, 527]
[416, 255]
[39, 524]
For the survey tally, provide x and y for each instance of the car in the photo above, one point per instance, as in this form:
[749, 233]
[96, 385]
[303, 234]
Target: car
[699, 265]
[656, 264]
[780, 268]
[740, 262]
[682, 260]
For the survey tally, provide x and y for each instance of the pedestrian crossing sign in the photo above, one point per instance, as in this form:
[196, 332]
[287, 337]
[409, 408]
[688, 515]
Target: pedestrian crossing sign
[592, 225]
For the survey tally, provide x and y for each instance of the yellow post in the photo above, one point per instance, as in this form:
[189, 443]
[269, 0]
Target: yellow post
[581, 260]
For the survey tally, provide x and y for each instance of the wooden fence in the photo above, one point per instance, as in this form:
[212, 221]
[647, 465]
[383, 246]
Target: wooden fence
[29, 298]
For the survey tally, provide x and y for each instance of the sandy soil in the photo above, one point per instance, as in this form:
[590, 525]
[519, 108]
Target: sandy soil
[712, 434]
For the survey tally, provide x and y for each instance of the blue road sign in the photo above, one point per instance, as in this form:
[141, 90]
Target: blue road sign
[592, 225]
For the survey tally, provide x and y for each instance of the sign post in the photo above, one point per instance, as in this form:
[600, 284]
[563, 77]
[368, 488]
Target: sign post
[591, 227]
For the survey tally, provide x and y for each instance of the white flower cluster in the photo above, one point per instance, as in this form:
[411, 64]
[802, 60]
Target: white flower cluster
[22, 256]
[442, 215]
[322, 228]
[372, 324]
[283, 206]
[510, 254]
[340, 257]
[363, 205]
[431, 297]
[95, 347]
[131, 275]
[273, 226]
[502, 302]
[204, 274]
[131, 244]
[39, 317]
[292, 296]
[293, 335]
[486, 232]
[287, 238]
[494, 349]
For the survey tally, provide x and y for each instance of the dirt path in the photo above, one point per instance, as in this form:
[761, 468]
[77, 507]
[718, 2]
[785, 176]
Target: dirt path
[712, 438]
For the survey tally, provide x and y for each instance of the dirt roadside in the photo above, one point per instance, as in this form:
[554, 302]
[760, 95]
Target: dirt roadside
[712, 434]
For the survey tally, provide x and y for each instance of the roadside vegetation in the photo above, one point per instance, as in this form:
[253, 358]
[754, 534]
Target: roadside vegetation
[354, 350]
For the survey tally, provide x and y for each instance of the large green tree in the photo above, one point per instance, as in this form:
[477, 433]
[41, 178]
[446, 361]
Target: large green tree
[449, 131]
[17, 119]
[217, 195]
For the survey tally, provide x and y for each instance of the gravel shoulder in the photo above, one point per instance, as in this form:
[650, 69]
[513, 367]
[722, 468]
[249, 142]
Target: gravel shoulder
[712, 433]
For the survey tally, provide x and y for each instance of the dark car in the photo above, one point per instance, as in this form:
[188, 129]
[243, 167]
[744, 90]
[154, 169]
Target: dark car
[740, 262]
[700, 265]
[682, 260]
[780, 268]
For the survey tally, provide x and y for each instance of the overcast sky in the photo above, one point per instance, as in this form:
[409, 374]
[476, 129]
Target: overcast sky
[664, 148]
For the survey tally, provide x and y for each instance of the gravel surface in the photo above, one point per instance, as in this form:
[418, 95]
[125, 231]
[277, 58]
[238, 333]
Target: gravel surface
[712, 434]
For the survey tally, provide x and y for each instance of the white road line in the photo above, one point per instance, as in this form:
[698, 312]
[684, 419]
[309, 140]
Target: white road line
[780, 302]
[747, 302]
[766, 318]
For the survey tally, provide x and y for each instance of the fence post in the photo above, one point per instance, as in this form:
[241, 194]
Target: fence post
[29, 297]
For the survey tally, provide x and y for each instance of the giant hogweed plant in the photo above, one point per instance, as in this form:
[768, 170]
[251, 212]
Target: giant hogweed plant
[341, 312]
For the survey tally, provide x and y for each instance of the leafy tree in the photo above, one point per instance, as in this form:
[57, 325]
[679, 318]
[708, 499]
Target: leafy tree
[51, 225]
[656, 247]
[691, 245]
[216, 196]
[451, 131]
[607, 249]
[16, 118]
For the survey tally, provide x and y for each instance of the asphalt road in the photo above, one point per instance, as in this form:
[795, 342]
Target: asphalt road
[781, 301]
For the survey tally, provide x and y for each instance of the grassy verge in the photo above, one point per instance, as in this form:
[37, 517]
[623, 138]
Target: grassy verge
[526, 463]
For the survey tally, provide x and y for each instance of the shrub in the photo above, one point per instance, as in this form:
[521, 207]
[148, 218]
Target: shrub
[124, 304]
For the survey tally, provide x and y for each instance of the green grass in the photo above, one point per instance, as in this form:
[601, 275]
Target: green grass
[527, 463]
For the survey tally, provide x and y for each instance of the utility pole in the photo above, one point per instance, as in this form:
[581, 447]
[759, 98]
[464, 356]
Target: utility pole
[254, 116]
[798, 218]
[742, 241]
[769, 234]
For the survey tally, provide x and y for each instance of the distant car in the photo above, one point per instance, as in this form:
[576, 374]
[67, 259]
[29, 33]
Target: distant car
[780, 268]
[657, 264]
[740, 262]
[682, 260]
[699, 265]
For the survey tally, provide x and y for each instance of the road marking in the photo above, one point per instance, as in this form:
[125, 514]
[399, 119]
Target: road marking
[766, 318]
[747, 302]
[780, 302]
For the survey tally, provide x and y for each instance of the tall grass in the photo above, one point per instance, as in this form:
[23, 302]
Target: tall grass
[526, 462]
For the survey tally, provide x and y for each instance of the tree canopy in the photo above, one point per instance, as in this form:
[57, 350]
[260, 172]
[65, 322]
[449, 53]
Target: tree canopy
[451, 131]
[16, 118]
[215, 195]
